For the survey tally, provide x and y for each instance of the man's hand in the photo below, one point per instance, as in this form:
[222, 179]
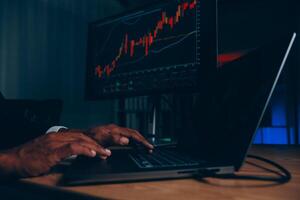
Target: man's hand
[40, 155]
[113, 134]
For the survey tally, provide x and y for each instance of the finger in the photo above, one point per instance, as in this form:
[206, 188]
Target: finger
[74, 149]
[108, 137]
[86, 138]
[103, 157]
[98, 149]
[119, 139]
[89, 143]
[141, 138]
[123, 141]
[129, 133]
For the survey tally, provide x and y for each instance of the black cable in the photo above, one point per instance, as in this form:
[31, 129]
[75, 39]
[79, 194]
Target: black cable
[284, 177]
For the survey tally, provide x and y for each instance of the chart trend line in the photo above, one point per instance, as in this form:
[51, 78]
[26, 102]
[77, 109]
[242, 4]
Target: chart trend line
[129, 45]
[175, 43]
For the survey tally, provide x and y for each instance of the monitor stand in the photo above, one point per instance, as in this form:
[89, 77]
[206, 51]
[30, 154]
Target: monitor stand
[155, 136]
[155, 100]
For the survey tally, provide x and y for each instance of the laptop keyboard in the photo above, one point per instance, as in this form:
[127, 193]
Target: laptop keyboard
[161, 159]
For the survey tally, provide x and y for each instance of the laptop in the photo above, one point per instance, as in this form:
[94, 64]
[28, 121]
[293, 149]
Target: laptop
[217, 134]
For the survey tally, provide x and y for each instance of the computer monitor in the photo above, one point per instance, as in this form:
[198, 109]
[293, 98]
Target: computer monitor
[168, 46]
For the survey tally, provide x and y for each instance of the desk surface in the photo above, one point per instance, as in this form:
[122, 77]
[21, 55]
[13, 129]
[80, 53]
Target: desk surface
[209, 188]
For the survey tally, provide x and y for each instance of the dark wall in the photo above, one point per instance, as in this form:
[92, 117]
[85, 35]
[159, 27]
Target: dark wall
[42, 54]
[245, 24]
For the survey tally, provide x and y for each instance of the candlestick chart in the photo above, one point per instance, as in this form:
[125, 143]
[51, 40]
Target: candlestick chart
[151, 39]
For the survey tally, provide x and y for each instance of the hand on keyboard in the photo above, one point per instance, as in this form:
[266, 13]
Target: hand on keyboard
[113, 134]
[138, 146]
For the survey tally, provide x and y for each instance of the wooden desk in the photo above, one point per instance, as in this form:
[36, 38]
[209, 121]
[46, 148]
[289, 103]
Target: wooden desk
[209, 188]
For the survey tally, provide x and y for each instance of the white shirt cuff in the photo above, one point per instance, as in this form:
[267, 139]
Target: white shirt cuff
[55, 129]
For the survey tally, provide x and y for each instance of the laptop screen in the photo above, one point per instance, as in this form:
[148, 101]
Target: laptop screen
[224, 121]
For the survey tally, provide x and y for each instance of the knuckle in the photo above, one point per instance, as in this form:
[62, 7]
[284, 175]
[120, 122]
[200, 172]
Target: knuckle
[81, 134]
[112, 125]
[78, 134]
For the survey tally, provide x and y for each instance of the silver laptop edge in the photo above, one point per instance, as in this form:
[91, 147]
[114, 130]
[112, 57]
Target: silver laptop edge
[272, 90]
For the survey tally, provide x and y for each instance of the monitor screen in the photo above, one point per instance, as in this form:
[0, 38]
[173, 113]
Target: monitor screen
[164, 47]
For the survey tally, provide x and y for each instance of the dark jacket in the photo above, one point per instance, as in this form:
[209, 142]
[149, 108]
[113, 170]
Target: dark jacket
[23, 120]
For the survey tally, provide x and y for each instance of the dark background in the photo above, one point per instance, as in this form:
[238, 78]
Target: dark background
[43, 51]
